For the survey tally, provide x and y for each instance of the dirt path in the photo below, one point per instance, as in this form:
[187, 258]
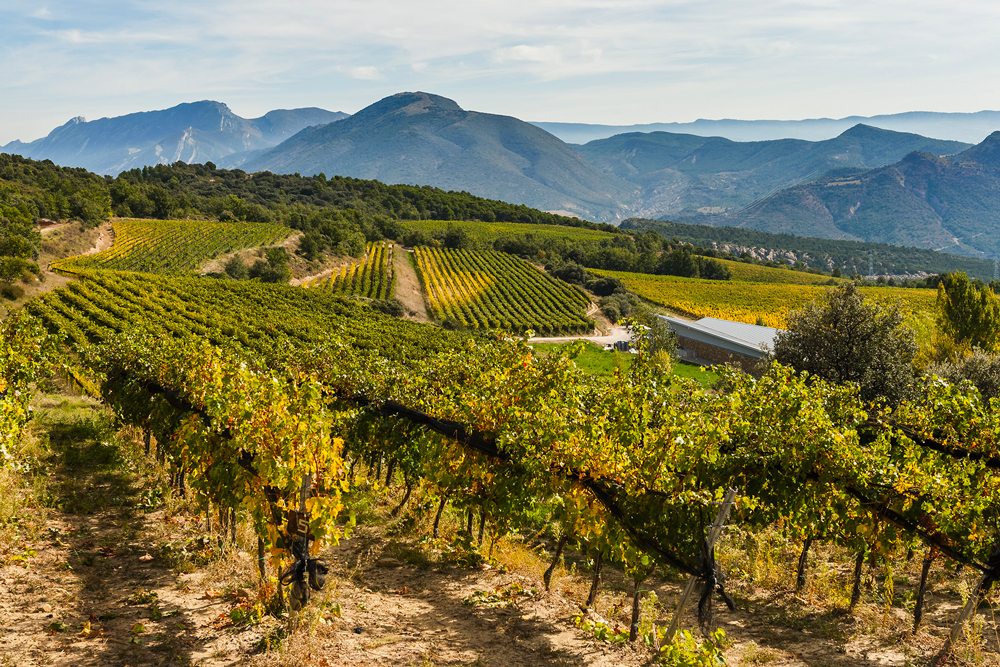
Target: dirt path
[408, 290]
[105, 239]
[414, 612]
[91, 575]
[92, 578]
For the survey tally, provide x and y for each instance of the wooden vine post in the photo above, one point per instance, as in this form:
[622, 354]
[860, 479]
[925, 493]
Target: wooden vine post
[918, 609]
[984, 585]
[713, 535]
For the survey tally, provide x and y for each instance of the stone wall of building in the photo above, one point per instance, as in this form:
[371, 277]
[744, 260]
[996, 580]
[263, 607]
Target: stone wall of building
[717, 355]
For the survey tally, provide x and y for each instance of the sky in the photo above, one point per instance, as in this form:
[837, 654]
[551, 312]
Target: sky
[587, 61]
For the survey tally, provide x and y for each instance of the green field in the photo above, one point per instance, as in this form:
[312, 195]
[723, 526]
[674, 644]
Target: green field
[487, 232]
[596, 361]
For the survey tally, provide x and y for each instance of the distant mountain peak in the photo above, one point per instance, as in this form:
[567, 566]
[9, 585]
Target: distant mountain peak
[427, 139]
[863, 130]
[986, 152]
[422, 101]
[196, 131]
[407, 104]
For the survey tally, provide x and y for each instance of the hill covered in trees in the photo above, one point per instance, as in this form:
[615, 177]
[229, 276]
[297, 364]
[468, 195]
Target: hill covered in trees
[338, 214]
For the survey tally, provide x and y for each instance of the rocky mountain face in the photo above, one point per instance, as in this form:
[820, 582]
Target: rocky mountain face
[193, 132]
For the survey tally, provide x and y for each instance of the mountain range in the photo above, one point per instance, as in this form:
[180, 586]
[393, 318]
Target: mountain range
[924, 200]
[419, 138]
[687, 174]
[967, 127]
[193, 132]
[866, 183]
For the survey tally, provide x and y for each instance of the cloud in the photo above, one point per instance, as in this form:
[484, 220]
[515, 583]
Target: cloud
[617, 61]
[525, 53]
[369, 73]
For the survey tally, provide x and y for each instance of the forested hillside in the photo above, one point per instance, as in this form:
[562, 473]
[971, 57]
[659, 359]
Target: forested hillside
[825, 254]
[338, 214]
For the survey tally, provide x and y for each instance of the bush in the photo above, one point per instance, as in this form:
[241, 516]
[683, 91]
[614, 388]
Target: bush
[605, 286]
[611, 312]
[393, 307]
[415, 237]
[11, 292]
[570, 272]
[13, 268]
[851, 339]
[979, 368]
[236, 269]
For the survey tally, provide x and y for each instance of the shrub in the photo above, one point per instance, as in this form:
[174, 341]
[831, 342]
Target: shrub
[979, 368]
[11, 292]
[851, 339]
[393, 307]
[605, 286]
[236, 269]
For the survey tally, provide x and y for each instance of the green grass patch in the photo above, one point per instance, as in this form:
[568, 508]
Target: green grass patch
[596, 361]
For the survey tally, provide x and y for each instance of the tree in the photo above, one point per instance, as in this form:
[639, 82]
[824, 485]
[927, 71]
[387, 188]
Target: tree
[968, 313]
[236, 269]
[274, 269]
[850, 338]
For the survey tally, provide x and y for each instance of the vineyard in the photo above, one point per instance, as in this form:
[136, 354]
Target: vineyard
[241, 315]
[372, 278]
[754, 273]
[265, 397]
[489, 290]
[745, 301]
[173, 246]
[488, 232]
[284, 409]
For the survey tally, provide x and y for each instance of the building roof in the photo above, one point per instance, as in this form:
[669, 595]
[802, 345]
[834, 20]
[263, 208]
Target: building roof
[748, 339]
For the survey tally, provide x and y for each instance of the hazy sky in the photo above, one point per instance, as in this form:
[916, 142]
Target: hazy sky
[583, 61]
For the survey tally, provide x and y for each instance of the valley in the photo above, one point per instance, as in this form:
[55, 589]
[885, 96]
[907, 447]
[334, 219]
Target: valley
[298, 421]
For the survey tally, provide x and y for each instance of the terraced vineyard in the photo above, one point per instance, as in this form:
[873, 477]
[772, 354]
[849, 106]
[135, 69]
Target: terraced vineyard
[174, 246]
[245, 314]
[487, 232]
[486, 290]
[746, 301]
[373, 278]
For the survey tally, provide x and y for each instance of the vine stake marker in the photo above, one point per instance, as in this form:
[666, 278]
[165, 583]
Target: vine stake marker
[713, 534]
